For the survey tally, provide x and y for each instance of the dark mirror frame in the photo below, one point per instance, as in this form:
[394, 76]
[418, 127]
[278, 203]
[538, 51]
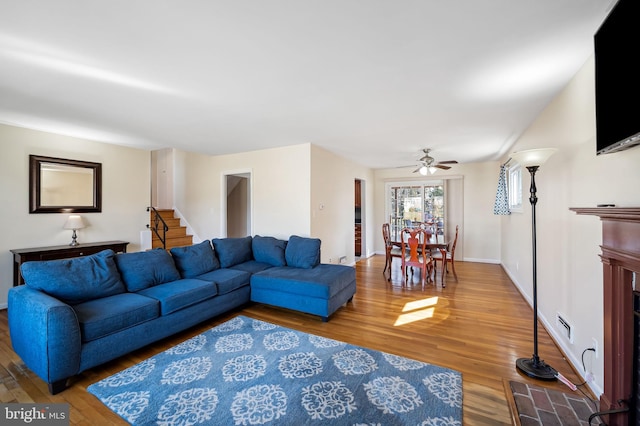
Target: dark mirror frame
[35, 202]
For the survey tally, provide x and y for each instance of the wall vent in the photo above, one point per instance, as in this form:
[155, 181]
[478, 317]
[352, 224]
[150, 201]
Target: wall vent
[564, 325]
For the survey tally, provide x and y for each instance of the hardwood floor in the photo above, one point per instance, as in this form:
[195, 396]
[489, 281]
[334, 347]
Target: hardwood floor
[478, 326]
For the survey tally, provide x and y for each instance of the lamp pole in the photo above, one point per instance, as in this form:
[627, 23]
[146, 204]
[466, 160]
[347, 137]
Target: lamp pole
[534, 366]
[74, 239]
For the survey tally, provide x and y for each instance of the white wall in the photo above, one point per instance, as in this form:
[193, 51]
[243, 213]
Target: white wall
[333, 204]
[288, 185]
[125, 195]
[280, 187]
[569, 269]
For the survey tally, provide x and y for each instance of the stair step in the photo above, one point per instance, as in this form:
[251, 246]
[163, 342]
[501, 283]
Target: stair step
[171, 223]
[169, 219]
[174, 242]
[166, 213]
[173, 232]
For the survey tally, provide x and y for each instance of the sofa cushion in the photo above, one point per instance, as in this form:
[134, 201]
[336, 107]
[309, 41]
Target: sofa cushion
[146, 268]
[227, 280]
[269, 250]
[251, 266]
[231, 251]
[324, 281]
[179, 294]
[195, 260]
[75, 280]
[302, 252]
[108, 315]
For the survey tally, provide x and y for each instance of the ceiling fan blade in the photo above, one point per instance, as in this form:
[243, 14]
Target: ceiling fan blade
[417, 170]
[440, 166]
[448, 162]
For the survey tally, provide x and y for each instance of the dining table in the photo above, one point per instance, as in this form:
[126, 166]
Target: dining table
[434, 242]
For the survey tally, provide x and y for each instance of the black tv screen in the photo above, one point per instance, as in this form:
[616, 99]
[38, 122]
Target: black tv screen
[617, 66]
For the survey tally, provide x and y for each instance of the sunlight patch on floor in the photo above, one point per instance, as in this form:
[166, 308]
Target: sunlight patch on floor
[417, 310]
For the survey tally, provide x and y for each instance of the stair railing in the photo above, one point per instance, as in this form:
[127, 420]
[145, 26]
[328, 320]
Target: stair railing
[155, 226]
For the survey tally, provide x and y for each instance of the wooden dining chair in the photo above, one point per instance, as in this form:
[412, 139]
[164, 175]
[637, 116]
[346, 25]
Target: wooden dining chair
[446, 257]
[391, 250]
[413, 242]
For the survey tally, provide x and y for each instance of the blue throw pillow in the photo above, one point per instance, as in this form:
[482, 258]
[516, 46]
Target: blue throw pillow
[302, 252]
[269, 250]
[145, 269]
[232, 251]
[195, 260]
[75, 280]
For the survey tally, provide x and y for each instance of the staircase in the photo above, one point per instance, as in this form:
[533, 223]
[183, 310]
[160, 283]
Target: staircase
[176, 235]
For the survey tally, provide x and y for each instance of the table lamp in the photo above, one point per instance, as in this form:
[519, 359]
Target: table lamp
[74, 222]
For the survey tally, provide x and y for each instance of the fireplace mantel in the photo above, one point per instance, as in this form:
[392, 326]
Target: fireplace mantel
[631, 214]
[620, 262]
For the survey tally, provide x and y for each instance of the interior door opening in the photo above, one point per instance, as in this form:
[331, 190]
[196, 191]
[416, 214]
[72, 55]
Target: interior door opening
[238, 205]
[359, 223]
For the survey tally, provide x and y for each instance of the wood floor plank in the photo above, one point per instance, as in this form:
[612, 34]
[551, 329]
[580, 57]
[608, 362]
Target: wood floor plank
[479, 326]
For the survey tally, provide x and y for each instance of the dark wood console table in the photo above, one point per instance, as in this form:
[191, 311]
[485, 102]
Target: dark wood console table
[60, 252]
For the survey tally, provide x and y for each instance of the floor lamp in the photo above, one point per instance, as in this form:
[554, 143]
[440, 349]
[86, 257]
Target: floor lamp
[534, 367]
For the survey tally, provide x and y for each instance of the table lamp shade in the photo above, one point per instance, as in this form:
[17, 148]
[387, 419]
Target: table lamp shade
[74, 222]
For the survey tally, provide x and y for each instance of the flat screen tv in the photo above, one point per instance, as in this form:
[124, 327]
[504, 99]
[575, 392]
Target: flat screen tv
[617, 65]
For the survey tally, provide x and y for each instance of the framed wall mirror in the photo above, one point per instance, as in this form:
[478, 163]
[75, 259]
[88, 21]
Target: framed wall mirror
[58, 185]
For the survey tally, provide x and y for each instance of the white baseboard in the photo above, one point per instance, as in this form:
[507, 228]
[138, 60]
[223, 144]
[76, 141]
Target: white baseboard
[557, 338]
[473, 259]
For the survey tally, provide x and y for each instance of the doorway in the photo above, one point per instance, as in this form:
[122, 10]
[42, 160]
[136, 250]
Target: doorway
[359, 241]
[238, 205]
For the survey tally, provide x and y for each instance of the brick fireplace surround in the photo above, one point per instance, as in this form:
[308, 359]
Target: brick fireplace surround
[620, 263]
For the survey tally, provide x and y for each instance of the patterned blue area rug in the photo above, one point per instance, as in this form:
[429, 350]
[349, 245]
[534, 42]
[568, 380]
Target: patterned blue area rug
[250, 372]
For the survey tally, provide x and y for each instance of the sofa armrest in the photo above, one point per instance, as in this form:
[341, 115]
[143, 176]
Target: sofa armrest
[45, 333]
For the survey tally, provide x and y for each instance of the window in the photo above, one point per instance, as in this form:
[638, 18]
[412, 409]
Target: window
[413, 204]
[515, 188]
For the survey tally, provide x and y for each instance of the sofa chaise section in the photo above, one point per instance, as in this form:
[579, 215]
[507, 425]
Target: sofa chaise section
[320, 290]
[300, 282]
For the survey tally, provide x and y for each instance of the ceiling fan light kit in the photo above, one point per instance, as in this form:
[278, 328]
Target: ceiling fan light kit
[424, 170]
[429, 166]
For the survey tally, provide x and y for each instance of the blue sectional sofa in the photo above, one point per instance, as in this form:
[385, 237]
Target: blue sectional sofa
[75, 314]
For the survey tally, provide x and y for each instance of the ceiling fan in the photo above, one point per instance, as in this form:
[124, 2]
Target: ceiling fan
[428, 164]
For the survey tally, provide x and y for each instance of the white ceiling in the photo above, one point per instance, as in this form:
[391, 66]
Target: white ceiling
[371, 80]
